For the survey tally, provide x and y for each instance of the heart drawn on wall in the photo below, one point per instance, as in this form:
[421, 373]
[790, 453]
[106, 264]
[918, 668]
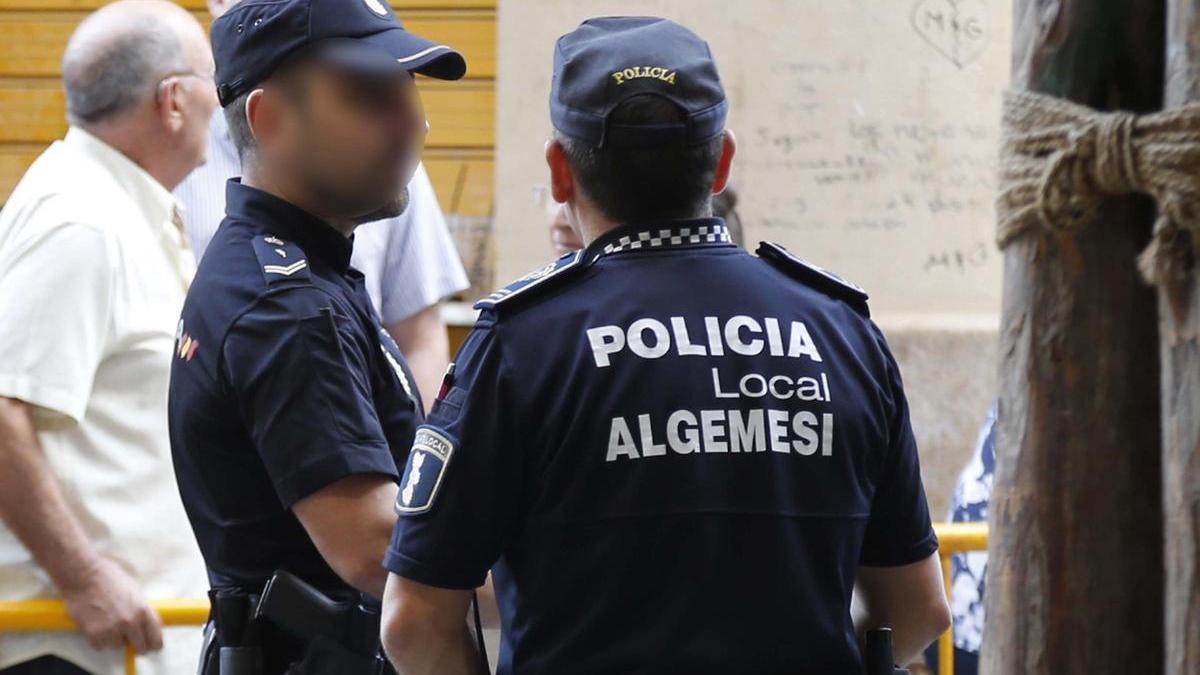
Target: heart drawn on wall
[956, 29]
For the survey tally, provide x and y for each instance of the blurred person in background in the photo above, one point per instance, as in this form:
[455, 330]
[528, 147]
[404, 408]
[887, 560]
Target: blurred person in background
[94, 265]
[409, 261]
[968, 571]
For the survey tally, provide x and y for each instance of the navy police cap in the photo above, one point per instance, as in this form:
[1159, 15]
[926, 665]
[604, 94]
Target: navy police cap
[606, 61]
[253, 38]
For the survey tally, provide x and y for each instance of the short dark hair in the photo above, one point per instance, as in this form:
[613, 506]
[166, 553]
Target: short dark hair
[235, 112]
[239, 128]
[630, 184]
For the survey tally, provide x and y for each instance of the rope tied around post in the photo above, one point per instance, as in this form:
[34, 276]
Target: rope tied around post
[1060, 160]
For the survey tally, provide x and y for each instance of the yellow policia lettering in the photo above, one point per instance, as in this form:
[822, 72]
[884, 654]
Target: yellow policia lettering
[656, 72]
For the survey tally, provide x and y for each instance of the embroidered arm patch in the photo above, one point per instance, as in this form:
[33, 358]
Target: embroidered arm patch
[424, 472]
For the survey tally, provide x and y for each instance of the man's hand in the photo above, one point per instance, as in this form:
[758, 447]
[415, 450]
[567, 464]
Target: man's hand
[111, 610]
[102, 598]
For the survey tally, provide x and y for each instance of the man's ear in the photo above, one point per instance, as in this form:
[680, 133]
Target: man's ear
[258, 118]
[725, 164]
[562, 181]
[170, 92]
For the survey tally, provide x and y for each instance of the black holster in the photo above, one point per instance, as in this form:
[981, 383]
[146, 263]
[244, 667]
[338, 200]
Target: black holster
[290, 629]
[324, 657]
[233, 641]
[340, 637]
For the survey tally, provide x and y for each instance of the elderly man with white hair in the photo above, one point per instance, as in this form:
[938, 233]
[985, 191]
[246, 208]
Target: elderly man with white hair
[94, 266]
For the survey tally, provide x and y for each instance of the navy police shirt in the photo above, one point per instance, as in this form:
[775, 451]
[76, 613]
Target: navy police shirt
[673, 455]
[283, 382]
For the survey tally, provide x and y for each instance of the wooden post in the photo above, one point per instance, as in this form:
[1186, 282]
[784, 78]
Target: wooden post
[1179, 312]
[1075, 577]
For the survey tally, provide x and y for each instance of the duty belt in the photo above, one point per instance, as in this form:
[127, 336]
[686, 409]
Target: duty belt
[291, 628]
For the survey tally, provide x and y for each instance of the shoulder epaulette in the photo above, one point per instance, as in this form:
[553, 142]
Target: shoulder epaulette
[535, 282]
[815, 277]
[280, 260]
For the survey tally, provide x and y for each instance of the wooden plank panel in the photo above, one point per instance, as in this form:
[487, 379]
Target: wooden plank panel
[31, 43]
[14, 160]
[31, 111]
[463, 181]
[460, 113]
[400, 5]
[472, 34]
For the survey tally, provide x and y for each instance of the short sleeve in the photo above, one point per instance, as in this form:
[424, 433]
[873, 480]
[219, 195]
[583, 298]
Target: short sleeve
[421, 263]
[56, 295]
[899, 531]
[461, 491]
[301, 380]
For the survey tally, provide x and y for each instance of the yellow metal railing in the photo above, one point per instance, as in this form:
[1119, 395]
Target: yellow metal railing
[51, 615]
[955, 538]
[43, 615]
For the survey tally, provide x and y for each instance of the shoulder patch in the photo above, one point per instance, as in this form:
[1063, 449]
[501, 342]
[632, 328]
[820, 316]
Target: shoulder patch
[819, 278]
[280, 260]
[540, 279]
[424, 471]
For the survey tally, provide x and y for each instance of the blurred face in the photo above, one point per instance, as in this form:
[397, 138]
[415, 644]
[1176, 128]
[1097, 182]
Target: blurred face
[563, 237]
[351, 143]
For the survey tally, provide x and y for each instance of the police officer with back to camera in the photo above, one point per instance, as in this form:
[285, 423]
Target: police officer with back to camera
[673, 455]
[291, 410]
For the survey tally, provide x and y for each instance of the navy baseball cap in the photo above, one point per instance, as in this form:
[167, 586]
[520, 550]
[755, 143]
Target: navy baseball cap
[606, 61]
[253, 38]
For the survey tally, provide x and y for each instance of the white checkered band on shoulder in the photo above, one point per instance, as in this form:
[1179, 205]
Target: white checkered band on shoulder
[684, 236]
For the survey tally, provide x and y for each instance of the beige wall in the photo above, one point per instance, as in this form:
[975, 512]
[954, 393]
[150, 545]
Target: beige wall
[950, 377]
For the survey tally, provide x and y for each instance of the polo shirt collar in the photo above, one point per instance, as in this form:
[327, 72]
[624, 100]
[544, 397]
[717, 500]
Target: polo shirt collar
[660, 235]
[283, 219]
[153, 199]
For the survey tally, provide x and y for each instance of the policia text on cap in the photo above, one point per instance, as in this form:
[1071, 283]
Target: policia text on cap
[291, 410]
[672, 455]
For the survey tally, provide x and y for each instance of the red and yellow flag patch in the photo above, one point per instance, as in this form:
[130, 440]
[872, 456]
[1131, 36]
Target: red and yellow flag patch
[187, 347]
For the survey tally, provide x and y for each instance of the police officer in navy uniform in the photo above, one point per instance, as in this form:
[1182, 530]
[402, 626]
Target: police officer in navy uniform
[673, 456]
[291, 409]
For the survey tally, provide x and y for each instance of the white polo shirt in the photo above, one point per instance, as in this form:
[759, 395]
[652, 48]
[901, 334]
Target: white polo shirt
[93, 271]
